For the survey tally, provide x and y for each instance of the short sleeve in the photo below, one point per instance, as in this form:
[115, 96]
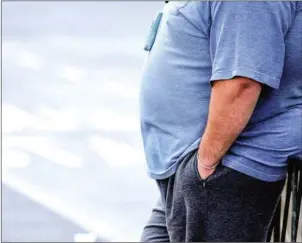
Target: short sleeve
[248, 39]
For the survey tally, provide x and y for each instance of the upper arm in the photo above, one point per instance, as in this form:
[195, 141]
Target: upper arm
[247, 39]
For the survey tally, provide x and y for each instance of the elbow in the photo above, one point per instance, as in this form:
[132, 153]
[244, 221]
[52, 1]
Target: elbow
[247, 84]
[238, 87]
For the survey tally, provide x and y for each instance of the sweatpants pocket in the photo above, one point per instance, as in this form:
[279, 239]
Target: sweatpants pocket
[219, 171]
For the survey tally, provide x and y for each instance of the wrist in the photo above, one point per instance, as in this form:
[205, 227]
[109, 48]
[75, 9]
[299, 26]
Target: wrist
[207, 164]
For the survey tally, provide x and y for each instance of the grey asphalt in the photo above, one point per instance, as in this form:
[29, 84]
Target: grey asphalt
[27, 221]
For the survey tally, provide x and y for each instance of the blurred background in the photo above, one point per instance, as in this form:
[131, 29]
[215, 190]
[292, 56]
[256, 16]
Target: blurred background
[73, 166]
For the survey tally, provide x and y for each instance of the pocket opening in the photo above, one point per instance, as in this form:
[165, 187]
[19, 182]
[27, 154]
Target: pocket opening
[204, 181]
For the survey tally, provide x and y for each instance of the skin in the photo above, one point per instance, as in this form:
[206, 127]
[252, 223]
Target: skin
[231, 106]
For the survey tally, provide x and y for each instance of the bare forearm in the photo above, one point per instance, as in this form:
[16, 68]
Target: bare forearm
[231, 106]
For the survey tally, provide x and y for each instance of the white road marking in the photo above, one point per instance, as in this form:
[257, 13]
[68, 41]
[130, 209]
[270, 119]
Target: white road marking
[74, 212]
[117, 88]
[67, 120]
[46, 119]
[16, 52]
[84, 237]
[15, 119]
[46, 148]
[116, 154]
[108, 121]
[29, 60]
[70, 73]
[12, 159]
[64, 120]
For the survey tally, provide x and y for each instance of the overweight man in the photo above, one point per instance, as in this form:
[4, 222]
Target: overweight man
[220, 107]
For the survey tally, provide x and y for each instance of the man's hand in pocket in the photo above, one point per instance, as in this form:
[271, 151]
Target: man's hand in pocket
[204, 173]
[205, 168]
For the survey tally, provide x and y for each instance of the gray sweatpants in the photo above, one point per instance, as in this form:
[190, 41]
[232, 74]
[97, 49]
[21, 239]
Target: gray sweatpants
[227, 206]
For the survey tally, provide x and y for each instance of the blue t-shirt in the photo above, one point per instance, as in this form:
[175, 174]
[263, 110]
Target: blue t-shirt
[200, 42]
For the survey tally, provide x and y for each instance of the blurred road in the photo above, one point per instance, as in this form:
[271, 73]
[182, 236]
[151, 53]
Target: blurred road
[72, 153]
[25, 219]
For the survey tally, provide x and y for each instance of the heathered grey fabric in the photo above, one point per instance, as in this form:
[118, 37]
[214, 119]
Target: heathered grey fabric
[228, 206]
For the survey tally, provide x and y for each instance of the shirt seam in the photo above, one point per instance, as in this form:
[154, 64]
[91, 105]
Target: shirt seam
[228, 70]
[189, 21]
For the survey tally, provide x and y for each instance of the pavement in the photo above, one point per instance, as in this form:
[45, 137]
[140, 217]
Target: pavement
[26, 220]
[73, 159]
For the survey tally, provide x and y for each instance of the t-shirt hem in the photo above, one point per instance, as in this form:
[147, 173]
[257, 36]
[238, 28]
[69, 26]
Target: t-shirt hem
[250, 171]
[236, 164]
[172, 169]
[248, 73]
[164, 175]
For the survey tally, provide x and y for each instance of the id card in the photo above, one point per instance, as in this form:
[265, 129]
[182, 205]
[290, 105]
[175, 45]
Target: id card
[153, 32]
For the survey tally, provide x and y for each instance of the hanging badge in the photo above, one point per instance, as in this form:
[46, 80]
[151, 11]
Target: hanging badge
[153, 32]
